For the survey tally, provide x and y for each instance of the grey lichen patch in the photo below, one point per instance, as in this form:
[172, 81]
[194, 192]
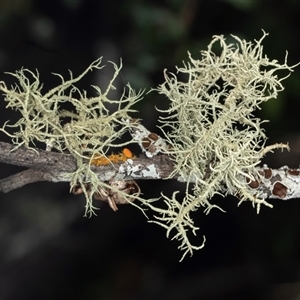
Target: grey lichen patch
[85, 129]
[139, 170]
[215, 141]
[151, 172]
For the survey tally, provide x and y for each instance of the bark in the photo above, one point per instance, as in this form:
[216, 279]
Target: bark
[44, 165]
[55, 167]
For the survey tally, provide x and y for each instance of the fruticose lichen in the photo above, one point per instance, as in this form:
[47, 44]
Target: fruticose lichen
[67, 120]
[210, 131]
[215, 140]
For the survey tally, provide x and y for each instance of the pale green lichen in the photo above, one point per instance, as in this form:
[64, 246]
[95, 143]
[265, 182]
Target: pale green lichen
[215, 140]
[67, 120]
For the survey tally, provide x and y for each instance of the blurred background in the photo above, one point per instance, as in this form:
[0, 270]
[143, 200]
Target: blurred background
[48, 250]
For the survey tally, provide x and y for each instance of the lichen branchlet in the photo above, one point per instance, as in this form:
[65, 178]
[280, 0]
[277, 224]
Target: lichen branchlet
[87, 128]
[215, 141]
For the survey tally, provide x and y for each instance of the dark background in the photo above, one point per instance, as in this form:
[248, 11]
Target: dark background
[48, 250]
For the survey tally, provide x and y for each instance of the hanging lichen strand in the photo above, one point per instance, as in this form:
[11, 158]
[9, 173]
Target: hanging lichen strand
[215, 141]
[84, 131]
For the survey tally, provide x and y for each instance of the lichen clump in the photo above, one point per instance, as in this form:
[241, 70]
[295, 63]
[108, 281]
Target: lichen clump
[215, 140]
[213, 137]
[67, 120]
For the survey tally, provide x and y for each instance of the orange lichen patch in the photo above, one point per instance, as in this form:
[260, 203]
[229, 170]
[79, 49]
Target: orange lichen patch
[127, 153]
[100, 160]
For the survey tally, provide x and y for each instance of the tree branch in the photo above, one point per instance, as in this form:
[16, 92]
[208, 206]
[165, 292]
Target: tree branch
[23, 178]
[55, 167]
[36, 158]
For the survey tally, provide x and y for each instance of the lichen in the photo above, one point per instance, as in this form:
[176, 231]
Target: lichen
[65, 119]
[210, 131]
[100, 160]
[215, 140]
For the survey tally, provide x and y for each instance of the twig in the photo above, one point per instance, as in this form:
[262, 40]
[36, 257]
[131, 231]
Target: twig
[283, 183]
[56, 167]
